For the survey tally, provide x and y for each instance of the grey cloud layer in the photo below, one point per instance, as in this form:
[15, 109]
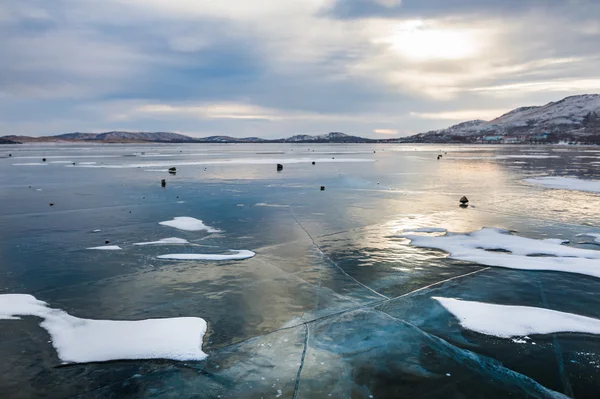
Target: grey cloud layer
[263, 68]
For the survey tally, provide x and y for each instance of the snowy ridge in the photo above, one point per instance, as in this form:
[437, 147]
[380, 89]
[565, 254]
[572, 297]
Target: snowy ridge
[578, 115]
[569, 110]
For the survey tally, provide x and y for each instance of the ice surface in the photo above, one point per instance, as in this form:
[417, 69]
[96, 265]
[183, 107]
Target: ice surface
[189, 224]
[367, 352]
[482, 247]
[566, 183]
[238, 161]
[427, 230]
[595, 235]
[516, 321]
[108, 248]
[536, 156]
[79, 340]
[165, 241]
[31, 164]
[235, 255]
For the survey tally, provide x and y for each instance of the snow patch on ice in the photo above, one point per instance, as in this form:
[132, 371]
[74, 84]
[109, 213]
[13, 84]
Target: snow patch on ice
[31, 164]
[483, 247]
[165, 241]
[234, 255]
[271, 205]
[188, 224]
[566, 183]
[516, 321]
[78, 340]
[108, 248]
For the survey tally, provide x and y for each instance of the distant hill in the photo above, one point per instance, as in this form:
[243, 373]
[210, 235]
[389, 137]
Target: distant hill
[124, 137]
[165, 137]
[572, 119]
[334, 137]
[575, 118]
[8, 141]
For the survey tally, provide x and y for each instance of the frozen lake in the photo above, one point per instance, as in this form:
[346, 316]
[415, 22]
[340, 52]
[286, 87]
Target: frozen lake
[266, 286]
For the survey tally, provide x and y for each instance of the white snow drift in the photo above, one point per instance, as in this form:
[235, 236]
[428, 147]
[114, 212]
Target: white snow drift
[188, 224]
[165, 241]
[108, 248]
[79, 340]
[516, 321]
[483, 247]
[234, 255]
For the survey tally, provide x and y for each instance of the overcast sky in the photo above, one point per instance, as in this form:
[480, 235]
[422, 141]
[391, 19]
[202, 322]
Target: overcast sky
[274, 68]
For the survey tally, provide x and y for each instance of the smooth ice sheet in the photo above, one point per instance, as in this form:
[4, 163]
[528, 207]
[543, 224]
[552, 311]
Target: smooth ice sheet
[566, 183]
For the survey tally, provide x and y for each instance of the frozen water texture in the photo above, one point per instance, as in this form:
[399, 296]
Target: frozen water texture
[426, 230]
[107, 248]
[188, 224]
[567, 183]
[165, 241]
[79, 340]
[234, 255]
[239, 161]
[484, 247]
[516, 321]
[595, 235]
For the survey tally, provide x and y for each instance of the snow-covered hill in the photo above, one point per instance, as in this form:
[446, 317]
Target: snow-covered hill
[569, 111]
[576, 115]
[334, 137]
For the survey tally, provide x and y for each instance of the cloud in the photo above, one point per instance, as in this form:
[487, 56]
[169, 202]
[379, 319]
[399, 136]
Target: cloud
[461, 115]
[277, 68]
[386, 131]
[558, 85]
[388, 3]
